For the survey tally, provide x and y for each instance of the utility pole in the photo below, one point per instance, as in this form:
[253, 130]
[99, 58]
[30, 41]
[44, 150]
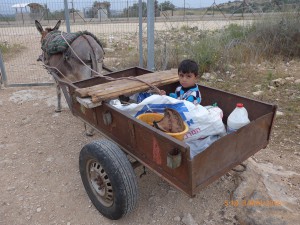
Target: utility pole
[184, 10]
[73, 10]
[3, 77]
[150, 35]
[67, 16]
[141, 63]
[127, 11]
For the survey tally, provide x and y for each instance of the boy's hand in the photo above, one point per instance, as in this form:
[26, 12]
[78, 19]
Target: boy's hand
[163, 92]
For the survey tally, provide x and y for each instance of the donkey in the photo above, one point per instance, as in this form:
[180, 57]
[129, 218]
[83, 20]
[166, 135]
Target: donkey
[73, 63]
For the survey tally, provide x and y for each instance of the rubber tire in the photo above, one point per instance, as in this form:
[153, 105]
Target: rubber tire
[120, 173]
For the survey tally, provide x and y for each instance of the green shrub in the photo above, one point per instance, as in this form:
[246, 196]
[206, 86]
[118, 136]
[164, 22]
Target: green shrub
[4, 48]
[277, 36]
[206, 53]
[168, 55]
[235, 31]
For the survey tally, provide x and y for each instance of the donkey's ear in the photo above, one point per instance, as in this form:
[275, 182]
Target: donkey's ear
[38, 26]
[57, 25]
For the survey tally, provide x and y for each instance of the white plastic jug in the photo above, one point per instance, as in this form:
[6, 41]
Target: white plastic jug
[237, 119]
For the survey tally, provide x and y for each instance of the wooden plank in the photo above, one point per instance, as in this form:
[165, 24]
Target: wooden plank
[116, 88]
[149, 77]
[87, 102]
[96, 97]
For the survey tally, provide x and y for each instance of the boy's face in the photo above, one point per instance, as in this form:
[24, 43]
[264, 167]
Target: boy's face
[187, 79]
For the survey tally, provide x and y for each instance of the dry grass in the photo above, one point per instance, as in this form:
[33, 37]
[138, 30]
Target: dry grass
[11, 51]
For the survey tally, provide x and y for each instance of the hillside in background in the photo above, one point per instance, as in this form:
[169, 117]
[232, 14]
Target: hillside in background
[258, 6]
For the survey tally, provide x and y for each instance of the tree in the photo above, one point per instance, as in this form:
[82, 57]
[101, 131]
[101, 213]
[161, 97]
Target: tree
[108, 8]
[133, 11]
[156, 9]
[167, 5]
[99, 6]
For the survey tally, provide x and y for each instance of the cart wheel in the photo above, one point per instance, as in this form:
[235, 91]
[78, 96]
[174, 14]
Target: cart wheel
[108, 178]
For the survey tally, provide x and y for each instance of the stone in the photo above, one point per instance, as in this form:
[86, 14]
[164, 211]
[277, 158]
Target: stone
[28, 217]
[258, 86]
[231, 67]
[278, 82]
[289, 78]
[208, 76]
[257, 93]
[263, 196]
[278, 113]
[177, 218]
[50, 159]
[271, 87]
[109, 50]
[189, 220]
[297, 81]
[11, 188]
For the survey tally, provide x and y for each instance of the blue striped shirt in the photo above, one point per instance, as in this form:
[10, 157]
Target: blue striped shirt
[191, 94]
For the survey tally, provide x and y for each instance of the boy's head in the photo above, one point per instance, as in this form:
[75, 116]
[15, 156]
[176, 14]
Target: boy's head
[188, 66]
[188, 72]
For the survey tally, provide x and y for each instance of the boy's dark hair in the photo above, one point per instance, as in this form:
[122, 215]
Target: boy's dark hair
[188, 66]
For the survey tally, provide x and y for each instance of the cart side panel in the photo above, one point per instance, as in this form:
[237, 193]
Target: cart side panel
[85, 114]
[143, 142]
[153, 148]
[230, 151]
[227, 102]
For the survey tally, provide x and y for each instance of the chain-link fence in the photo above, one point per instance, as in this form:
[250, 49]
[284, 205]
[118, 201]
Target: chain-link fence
[116, 24]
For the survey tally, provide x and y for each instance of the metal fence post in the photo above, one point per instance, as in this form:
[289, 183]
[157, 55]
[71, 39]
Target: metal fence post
[150, 34]
[3, 77]
[141, 63]
[67, 16]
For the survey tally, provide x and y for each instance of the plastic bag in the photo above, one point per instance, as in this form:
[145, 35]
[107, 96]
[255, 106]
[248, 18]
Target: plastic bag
[139, 97]
[198, 146]
[202, 122]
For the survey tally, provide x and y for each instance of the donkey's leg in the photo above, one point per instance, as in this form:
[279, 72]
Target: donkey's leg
[58, 93]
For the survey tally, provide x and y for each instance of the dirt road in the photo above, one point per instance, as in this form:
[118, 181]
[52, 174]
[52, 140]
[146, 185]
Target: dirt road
[40, 180]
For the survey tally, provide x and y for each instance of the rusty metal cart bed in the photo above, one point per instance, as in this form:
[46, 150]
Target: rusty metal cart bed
[108, 175]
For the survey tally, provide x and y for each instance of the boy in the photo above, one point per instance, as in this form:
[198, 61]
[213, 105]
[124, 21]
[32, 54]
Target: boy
[188, 89]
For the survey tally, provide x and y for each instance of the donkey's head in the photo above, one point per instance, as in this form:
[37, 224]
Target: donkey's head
[47, 30]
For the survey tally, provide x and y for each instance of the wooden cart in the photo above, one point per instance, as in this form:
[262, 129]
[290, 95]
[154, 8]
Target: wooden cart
[108, 175]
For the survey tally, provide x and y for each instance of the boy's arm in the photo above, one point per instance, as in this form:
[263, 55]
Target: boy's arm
[163, 92]
[173, 95]
[176, 94]
[191, 98]
[194, 100]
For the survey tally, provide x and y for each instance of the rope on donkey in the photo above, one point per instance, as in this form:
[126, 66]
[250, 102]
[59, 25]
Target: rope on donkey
[108, 77]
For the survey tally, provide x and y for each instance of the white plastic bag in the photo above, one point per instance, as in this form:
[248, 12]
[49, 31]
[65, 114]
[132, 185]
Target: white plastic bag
[198, 146]
[202, 122]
